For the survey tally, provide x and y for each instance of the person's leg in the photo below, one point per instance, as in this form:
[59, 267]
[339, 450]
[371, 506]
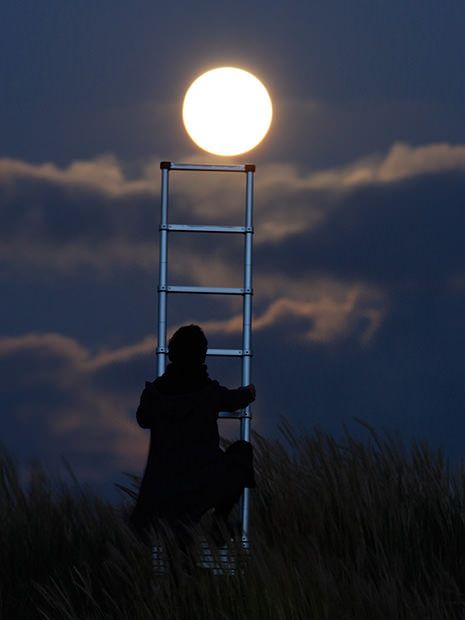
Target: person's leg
[238, 473]
[226, 502]
[240, 456]
[221, 527]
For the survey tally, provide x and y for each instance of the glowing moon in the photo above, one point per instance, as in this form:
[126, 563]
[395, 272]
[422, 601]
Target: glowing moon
[227, 111]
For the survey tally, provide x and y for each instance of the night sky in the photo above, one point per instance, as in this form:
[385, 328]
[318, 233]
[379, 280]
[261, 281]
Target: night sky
[359, 256]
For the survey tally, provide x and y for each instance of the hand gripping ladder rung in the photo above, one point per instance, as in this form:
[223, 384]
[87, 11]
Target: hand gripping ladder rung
[164, 289]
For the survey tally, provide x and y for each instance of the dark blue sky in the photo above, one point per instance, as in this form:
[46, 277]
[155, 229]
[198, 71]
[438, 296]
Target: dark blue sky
[360, 213]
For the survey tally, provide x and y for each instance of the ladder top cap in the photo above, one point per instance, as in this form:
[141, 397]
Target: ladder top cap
[168, 165]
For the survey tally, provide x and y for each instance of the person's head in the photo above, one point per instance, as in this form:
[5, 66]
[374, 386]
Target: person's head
[188, 346]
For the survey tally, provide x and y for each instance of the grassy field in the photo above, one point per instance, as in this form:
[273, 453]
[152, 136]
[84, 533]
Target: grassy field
[339, 530]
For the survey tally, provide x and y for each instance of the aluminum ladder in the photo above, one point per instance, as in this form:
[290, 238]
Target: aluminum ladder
[165, 289]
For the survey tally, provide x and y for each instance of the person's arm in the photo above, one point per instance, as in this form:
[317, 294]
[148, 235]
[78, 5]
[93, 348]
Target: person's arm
[145, 408]
[232, 400]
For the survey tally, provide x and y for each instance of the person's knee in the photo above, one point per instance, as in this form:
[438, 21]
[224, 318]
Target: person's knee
[240, 447]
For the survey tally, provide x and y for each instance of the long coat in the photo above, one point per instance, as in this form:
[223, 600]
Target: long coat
[186, 471]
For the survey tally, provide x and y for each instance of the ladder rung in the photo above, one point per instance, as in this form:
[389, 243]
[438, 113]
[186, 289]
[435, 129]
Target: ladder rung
[207, 229]
[236, 415]
[228, 352]
[171, 165]
[205, 289]
[216, 352]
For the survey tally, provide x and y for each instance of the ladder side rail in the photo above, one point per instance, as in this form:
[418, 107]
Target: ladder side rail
[163, 275]
[245, 423]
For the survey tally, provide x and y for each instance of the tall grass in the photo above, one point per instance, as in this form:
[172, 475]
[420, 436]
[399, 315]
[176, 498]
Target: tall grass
[339, 530]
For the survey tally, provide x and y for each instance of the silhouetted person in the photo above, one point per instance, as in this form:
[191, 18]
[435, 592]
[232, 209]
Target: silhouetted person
[187, 473]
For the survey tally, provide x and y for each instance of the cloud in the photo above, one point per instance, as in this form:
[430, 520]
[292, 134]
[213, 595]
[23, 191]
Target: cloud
[404, 161]
[339, 254]
[406, 234]
[401, 162]
[55, 407]
[327, 318]
[103, 175]
[95, 213]
[56, 344]
[340, 354]
[85, 399]
[357, 311]
[371, 225]
[333, 351]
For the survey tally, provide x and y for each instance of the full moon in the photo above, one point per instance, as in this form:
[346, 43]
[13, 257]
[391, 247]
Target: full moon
[227, 111]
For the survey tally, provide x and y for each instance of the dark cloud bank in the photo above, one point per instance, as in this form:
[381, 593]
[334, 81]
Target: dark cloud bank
[359, 308]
